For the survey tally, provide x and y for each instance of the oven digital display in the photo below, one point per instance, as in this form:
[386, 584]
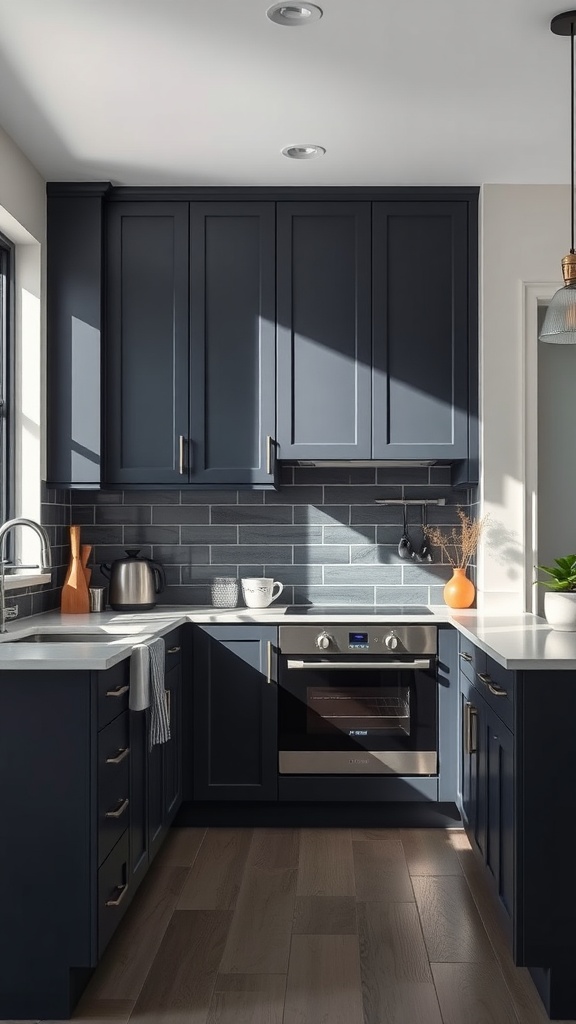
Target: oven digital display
[356, 640]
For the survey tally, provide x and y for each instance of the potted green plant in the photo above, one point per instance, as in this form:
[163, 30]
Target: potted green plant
[560, 599]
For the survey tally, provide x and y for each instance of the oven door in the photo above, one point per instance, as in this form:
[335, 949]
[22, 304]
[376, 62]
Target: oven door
[347, 715]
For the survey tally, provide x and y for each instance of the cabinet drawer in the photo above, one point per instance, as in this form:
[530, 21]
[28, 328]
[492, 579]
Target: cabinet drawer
[113, 783]
[113, 893]
[498, 687]
[113, 687]
[471, 659]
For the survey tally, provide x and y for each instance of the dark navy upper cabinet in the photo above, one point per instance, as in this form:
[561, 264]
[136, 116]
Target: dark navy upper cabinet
[146, 350]
[420, 330]
[232, 350]
[190, 360]
[74, 333]
[374, 330]
[243, 326]
[323, 333]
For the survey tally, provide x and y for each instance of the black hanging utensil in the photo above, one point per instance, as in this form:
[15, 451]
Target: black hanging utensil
[405, 549]
[424, 554]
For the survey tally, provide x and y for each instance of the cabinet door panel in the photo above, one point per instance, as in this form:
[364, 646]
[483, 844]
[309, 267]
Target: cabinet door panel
[235, 724]
[232, 357]
[500, 788]
[156, 828]
[138, 796]
[146, 397]
[73, 339]
[420, 330]
[469, 759]
[323, 334]
[173, 748]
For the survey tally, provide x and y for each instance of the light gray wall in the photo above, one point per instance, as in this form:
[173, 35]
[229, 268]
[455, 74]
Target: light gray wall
[556, 453]
[525, 231]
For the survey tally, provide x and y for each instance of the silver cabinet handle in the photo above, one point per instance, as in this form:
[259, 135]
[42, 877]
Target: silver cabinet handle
[119, 810]
[121, 756]
[471, 727]
[121, 890]
[371, 666]
[173, 650]
[182, 443]
[270, 442]
[119, 692]
[498, 691]
[269, 651]
[465, 656]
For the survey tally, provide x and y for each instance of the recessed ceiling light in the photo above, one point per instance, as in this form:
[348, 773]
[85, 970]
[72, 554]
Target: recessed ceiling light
[304, 151]
[292, 15]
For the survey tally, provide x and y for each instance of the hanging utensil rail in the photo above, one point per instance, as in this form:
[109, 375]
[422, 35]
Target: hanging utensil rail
[410, 501]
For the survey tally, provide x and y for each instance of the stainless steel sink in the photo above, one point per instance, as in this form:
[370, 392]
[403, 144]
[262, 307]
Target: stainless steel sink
[69, 638]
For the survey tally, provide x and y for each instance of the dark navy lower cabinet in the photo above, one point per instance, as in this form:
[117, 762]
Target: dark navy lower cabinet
[487, 779]
[515, 796]
[85, 805]
[235, 731]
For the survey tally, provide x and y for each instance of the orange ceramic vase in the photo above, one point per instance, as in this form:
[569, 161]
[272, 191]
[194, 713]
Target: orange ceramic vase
[459, 592]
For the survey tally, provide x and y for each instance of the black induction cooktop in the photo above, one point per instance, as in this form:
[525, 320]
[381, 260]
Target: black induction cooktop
[357, 611]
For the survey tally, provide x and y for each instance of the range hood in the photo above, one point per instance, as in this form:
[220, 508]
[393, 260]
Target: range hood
[361, 463]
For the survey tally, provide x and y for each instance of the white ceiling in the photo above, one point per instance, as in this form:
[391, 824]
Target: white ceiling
[208, 92]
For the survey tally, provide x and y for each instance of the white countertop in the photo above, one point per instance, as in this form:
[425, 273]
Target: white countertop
[518, 641]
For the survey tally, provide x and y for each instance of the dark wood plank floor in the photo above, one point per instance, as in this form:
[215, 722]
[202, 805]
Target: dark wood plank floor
[311, 926]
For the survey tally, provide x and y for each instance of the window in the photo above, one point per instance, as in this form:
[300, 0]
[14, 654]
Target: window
[6, 378]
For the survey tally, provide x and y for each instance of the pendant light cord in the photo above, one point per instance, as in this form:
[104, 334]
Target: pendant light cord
[572, 131]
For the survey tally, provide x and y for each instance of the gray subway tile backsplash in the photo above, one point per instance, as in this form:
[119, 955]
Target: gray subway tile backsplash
[289, 534]
[361, 574]
[251, 514]
[322, 535]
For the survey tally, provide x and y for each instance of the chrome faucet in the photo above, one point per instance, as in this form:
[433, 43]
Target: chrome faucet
[45, 564]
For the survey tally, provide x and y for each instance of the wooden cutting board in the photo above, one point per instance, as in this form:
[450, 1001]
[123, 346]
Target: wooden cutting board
[75, 598]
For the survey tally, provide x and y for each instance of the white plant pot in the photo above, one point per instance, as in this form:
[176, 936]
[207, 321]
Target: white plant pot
[560, 610]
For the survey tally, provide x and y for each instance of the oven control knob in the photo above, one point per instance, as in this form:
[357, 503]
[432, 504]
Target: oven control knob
[323, 640]
[391, 642]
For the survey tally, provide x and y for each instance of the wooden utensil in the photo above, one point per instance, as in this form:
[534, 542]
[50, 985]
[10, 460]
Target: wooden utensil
[85, 551]
[75, 598]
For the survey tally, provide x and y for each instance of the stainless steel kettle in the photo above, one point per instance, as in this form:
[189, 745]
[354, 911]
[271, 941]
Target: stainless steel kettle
[134, 582]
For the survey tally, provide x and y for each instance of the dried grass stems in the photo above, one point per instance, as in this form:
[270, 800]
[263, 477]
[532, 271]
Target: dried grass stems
[459, 545]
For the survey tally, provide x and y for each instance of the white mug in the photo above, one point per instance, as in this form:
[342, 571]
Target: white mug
[258, 591]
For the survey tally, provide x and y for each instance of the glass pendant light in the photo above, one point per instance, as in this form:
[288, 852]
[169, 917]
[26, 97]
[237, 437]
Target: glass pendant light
[559, 325]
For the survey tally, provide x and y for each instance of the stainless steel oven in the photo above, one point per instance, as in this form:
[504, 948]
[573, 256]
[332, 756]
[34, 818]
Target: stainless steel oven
[358, 699]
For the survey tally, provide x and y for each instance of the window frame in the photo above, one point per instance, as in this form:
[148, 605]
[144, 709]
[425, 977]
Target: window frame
[7, 383]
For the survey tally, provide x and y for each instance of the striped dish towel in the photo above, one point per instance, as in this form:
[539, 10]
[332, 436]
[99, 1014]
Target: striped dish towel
[159, 718]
